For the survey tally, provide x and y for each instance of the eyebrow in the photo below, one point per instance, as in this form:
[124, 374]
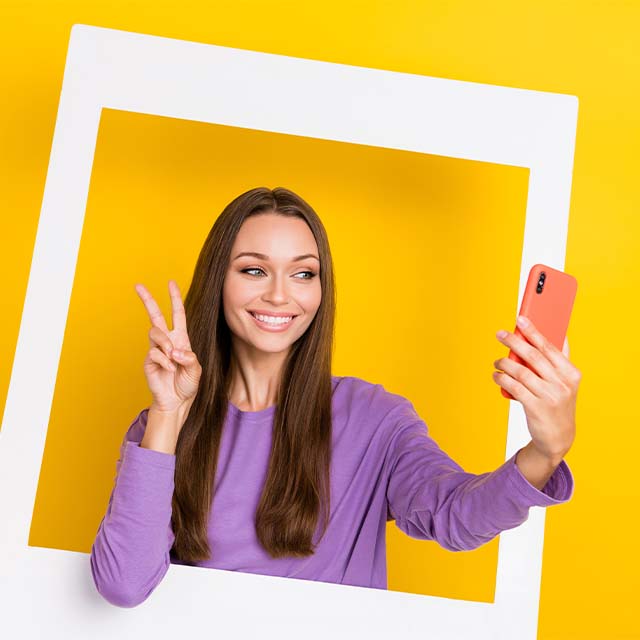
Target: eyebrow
[262, 256]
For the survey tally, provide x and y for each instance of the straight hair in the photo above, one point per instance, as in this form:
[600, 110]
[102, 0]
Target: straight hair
[296, 493]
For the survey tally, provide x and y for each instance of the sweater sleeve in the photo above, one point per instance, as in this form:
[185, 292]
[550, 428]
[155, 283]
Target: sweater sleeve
[130, 554]
[431, 497]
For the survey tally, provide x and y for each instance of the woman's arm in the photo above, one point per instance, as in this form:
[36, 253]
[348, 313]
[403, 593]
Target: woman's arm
[431, 497]
[130, 554]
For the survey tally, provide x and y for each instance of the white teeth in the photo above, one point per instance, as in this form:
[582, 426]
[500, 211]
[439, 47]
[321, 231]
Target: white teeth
[272, 319]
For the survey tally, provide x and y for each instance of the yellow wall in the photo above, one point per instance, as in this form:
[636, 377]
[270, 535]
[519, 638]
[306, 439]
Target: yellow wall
[590, 49]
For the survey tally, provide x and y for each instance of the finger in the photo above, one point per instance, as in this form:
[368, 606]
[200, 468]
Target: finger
[184, 356]
[564, 368]
[155, 355]
[155, 314]
[188, 360]
[179, 318]
[530, 354]
[517, 390]
[533, 383]
[575, 375]
[158, 338]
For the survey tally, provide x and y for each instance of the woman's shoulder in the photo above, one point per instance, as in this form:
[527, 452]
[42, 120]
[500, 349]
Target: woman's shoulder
[363, 397]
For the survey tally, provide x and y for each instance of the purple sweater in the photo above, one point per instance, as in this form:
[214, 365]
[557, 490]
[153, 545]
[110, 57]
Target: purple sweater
[384, 467]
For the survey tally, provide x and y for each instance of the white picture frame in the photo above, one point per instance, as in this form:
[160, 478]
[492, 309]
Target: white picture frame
[49, 593]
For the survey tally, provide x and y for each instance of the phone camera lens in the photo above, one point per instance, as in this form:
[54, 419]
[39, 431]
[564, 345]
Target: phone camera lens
[541, 279]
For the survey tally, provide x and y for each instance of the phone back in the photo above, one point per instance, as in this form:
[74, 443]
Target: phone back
[550, 309]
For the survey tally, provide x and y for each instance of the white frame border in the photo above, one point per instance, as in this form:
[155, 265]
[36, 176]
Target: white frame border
[210, 83]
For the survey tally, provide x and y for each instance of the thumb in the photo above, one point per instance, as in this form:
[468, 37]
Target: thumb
[185, 358]
[181, 355]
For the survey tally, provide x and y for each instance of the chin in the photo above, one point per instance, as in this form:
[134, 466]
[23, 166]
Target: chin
[273, 349]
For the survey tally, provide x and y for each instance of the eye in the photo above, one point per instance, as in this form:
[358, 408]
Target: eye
[251, 269]
[311, 274]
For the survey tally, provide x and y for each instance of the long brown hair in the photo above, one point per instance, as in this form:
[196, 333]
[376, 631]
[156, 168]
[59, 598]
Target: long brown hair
[296, 491]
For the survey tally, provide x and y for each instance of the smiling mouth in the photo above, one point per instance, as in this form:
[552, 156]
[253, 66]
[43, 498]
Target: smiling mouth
[273, 321]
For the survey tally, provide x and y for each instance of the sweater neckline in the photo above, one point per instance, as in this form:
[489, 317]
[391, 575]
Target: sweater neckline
[252, 416]
[263, 414]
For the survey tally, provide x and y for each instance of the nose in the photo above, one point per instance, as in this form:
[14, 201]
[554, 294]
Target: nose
[277, 292]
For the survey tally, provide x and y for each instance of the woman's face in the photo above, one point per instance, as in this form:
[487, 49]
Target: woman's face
[273, 284]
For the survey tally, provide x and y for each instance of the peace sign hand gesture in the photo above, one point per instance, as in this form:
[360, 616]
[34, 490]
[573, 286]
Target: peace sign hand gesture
[171, 368]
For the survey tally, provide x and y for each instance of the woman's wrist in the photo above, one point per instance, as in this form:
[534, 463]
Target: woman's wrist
[163, 428]
[536, 467]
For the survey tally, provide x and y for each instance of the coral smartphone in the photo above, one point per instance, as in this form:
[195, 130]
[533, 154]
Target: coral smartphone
[547, 302]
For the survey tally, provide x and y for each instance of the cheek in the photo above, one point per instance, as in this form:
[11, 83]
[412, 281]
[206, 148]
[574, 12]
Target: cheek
[311, 298]
[310, 306]
[235, 292]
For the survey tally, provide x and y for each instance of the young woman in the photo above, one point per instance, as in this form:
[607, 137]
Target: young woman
[253, 457]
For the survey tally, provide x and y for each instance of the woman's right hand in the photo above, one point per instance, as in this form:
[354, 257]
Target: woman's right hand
[173, 379]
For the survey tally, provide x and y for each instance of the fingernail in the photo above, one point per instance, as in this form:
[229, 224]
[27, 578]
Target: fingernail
[177, 353]
[502, 333]
[522, 321]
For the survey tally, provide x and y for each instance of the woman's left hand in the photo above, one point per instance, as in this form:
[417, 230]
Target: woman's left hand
[548, 393]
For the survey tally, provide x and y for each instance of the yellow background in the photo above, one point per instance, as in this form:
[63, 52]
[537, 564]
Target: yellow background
[144, 201]
[409, 232]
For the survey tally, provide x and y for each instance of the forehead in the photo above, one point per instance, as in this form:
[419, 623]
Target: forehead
[279, 237]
